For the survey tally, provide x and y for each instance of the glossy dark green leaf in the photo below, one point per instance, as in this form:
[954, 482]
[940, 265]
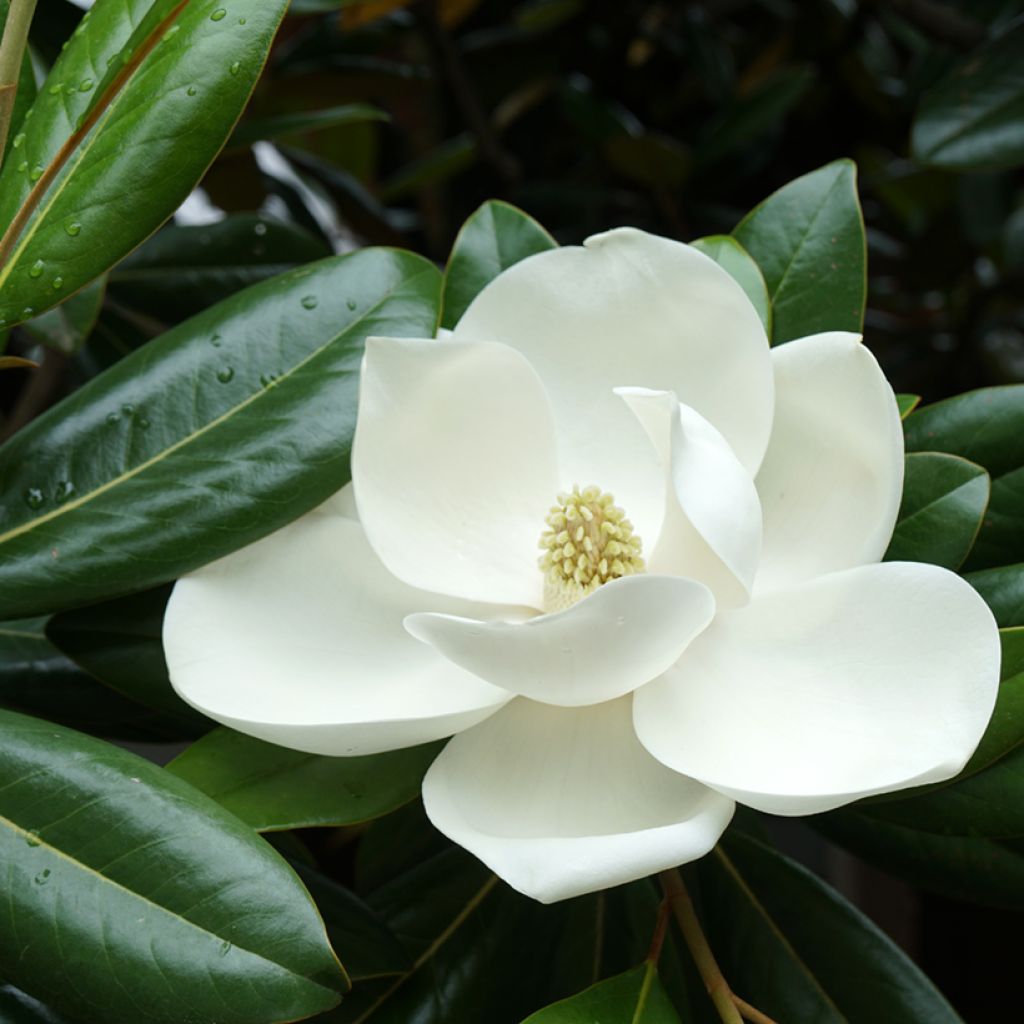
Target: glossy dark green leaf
[102, 163]
[203, 440]
[987, 427]
[494, 238]
[971, 868]
[636, 997]
[271, 787]
[1003, 590]
[907, 404]
[794, 948]
[65, 327]
[972, 117]
[36, 678]
[182, 270]
[282, 125]
[808, 240]
[144, 900]
[119, 643]
[944, 500]
[23, 100]
[18, 1008]
[732, 257]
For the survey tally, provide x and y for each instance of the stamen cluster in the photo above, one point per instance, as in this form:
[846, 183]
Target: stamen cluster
[589, 541]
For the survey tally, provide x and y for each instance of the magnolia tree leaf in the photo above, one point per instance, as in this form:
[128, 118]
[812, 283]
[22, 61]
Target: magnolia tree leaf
[99, 162]
[18, 1008]
[980, 870]
[972, 118]
[907, 404]
[181, 271]
[65, 327]
[636, 997]
[1003, 590]
[798, 951]
[732, 257]
[272, 788]
[808, 239]
[280, 126]
[492, 240]
[144, 900]
[119, 643]
[207, 438]
[35, 677]
[987, 427]
[944, 500]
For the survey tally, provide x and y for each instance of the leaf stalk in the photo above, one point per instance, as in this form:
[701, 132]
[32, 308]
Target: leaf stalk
[12, 52]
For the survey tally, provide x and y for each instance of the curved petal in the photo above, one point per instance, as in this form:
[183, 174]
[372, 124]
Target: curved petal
[564, 801]
[860, 682]
[616, 639]
[712, 526]
[631, 309]
[298, 639]
[832, 478]
[455, 468]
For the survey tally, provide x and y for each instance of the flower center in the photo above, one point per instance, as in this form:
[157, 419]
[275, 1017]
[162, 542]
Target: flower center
[589, 541]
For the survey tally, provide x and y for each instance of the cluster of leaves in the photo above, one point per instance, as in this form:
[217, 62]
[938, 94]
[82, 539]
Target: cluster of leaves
[212, 381]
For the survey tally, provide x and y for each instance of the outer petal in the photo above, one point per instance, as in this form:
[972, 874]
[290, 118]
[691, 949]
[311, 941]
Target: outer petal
[712, 526]
[298, 639]
[564, 801]
[620, 637]
[832, 478]
[455, 467]
[631, 309]
[860, 682]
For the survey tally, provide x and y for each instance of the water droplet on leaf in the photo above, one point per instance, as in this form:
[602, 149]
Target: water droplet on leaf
[191, 90]
[18, 139]
[57, 283]
[37, 268]
[73, 228]
[235, 68]
[34, 497]
[32, 839]
[260, 228]
[351, 303]
[309, 301]
[43, 877]
[85, 85]
[37, 173]
[225, 374]
[218, 15]
[64, 491]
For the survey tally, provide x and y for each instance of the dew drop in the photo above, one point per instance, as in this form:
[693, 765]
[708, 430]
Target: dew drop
[111, 59]
[37, 268]
[72, 228]
[57, 283]
[27, 311]
[218, 15]
[225, 948]
[54, 89]
[191, 90]
[23, 166]
[85, 85]
[36, 173]
[143, 423]
[215, 341]
[18, 139]
[34, 497]
[64, 491]
[309, 301]
[32, 839]
[113, 418]
[235, 68]
[241, 21]
[226, 374]
[128, 410]
[260, 228]
[351, 303]
[43, 877]
[171, 32]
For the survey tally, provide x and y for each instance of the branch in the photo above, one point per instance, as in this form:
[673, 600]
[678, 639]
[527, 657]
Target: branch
[12, 51]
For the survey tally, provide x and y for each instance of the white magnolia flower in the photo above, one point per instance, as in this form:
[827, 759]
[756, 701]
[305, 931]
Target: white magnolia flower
[720, 631]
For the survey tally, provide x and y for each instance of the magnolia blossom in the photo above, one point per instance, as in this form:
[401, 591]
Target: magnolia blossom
[627, 556]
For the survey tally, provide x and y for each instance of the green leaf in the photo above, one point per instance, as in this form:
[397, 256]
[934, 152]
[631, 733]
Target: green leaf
[981, 870]
[972, 118]
[494, 238]
[733, 258]
[182, 270]
[119, 642]
[18, 1008]
[282, 125]
[65, 327]
[798, 951]
[907, 404]
[270, 787]
[808, 240]
[203, 440]
[1003, 591]
[102, 163]
[636, 997]
[143, 900]
[944, 500]
[987, 427]
[35, 677]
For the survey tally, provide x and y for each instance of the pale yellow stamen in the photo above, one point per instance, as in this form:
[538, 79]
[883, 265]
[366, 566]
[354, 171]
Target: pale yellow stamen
[589, 541]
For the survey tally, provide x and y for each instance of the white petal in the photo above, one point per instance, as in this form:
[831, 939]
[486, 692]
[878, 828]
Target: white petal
[298, 639]
[631, 309]
[620, 637]
[455, 467]
[712, 526]
[832, 478]
[565, 801]
[859, 682]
